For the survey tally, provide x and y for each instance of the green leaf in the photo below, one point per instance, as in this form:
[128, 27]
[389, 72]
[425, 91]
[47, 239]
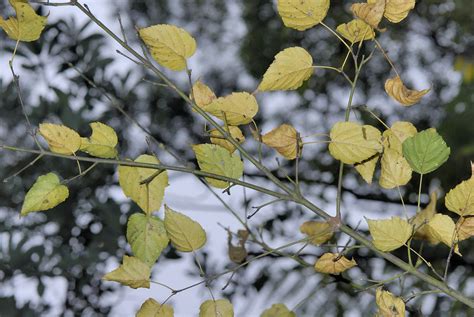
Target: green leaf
[133, 272]
[151, 308]
[217, 308]
[425, 151]
[148, 196]
[186, 234]
[147, 237]
[102, 142]
[278, 310]
[217, 160]
[46, 193]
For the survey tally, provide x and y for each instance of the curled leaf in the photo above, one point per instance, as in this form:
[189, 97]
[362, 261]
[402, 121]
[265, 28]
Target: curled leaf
[218, 139]
[320, 232]
[216, 308]
[286, 140]
[331, 263]
[26, 26]
[290, 69]
[356, 31]
[185, 234]
[102, 142]
[389, 234]
[234, 109]
[398, 91]
[353, 143]
[46, 193]
[371, 12]
[133, 272]
[388, 304]
[145, 186]
[151, 308]
[302, 14]
[169, 45]
[60, 138]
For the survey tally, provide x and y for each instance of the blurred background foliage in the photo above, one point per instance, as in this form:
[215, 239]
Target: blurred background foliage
[434, 45]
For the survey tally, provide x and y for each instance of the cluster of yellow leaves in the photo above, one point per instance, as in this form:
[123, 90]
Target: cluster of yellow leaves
[26, 26]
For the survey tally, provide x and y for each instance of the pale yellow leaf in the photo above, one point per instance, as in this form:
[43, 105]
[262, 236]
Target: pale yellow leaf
[395, 170]
[235, 109]
[465, 228]
[26, 26]
[203, 95]
[286, 140]
[371, 13]
[290, 69]
[219, 139]
[366, 168]
[133, 272]
[356, 31]
[217, 160]
[216, 308]
[331, 263]
[395, 136]
[169, 45]
[388, 304]
[60, 138]
[102, 142]
[46, 193]
[421, 219]
[397, 10]
[185, 234]
[145, 186]
[389, 234]
[398, 91]
[302, 14]
[353, 143]
[442, 228]
[278, 310]
[319, 231]
[460, 199]
[151, 308]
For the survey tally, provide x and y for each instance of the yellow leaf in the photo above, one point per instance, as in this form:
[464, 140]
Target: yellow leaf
[395, 170]
[186, 234]
[219, 139]
[289, 70]
[356, 31]
[216, 308]
[46, 193]
[60, 138]
[421, 219]
[371, 12]
[169, 45]
[353, 143]
[389, 305]
[203, 95]
[27, 26]
[397, 90]
[319, 231]
[331, 263]
[395, 136]
[442, 228]
[366, 168]
[217, 160]
[302, 14]
[148, 196]
[235, 109]
[151, 308]
[460, 199]
[278, 310]
[102, 142]
[397, 10]
[133, 272]
[389, 234]
[465, 228]
[286, 140]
